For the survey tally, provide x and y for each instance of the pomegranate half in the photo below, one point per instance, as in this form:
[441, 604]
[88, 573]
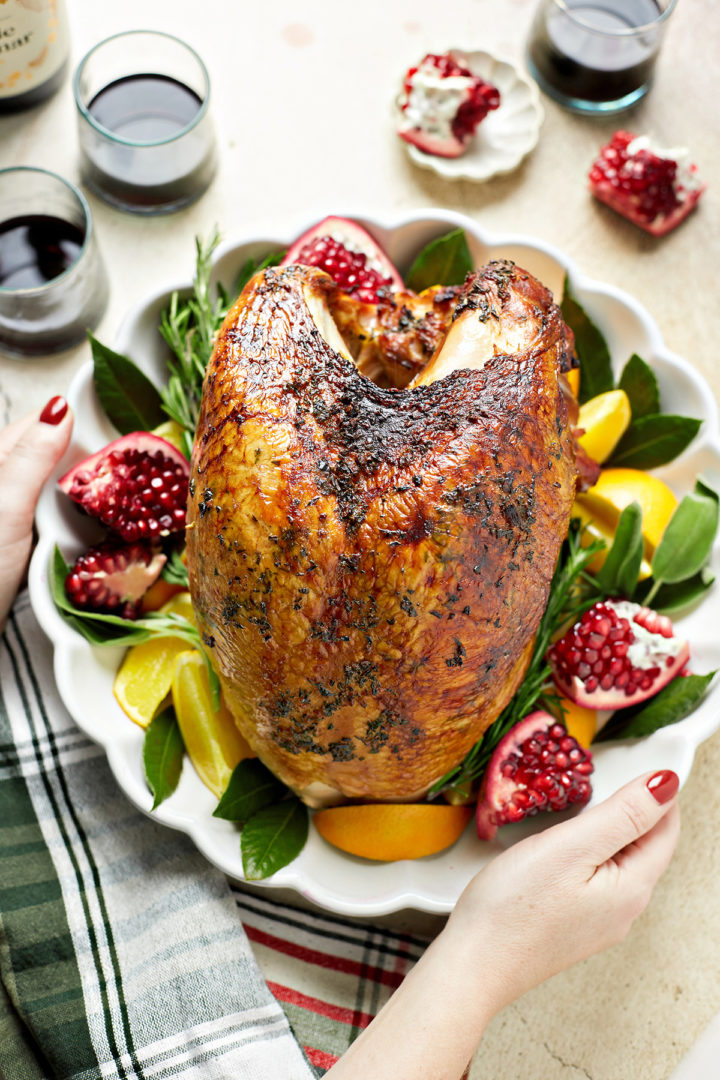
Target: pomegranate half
[536, 766]
[349, 254]
[618, 654]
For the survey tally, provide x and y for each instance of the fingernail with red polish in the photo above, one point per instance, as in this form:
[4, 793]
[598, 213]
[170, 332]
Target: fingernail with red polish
[663, 785]
[54, 411]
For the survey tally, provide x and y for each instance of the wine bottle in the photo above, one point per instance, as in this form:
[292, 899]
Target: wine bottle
[34, 49]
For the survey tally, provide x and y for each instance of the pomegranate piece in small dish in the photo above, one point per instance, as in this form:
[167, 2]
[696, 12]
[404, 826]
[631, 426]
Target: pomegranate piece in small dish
[136, 485]
[112, 578]
[536, 766]
[655, 189]
[442, 103]
[349, 254]
[616, 655]
[468, 136]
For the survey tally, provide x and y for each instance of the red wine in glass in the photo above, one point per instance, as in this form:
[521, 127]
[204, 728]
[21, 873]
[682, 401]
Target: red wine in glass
[592, 54]
[36, 248]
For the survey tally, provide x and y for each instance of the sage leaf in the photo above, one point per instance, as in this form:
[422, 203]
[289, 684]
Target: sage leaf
[252, 266]
[596, 376]
[444, 261]
[688, 539]
[673, 703]
[131, 402]
[250, 788]
[668, 599]
[273, 837]
[163, 752]
[619, 573]
[639, 383]
[654, 440]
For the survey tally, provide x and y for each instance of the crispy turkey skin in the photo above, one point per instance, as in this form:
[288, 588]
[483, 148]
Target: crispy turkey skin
[369, 565]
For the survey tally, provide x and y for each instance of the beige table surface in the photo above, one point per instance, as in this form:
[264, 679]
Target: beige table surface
[301, 98]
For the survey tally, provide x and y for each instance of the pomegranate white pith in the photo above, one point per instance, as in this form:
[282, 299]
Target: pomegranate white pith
[113, 578]
[618, 654]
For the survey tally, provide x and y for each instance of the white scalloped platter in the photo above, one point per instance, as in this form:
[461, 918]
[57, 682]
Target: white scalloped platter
[505, 136]
[335, 881]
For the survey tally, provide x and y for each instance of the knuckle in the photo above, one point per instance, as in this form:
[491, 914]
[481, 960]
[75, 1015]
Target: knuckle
[634, 816]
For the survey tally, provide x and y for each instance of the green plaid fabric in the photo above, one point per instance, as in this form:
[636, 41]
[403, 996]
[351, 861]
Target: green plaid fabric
[121, 952]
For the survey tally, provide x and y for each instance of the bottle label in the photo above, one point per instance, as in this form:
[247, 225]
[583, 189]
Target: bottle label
[34, 43]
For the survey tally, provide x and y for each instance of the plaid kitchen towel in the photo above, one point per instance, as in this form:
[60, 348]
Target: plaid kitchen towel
[122, 952]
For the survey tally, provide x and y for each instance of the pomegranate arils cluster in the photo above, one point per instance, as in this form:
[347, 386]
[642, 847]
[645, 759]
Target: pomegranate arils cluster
[349, 254]
[645, 185]
[113, 578]
[617, 654]
[550, 769]
[137, 486]
[351, 270]
[536, 766]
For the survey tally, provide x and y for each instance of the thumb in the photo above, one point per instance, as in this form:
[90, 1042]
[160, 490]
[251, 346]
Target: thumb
[26, 466]
[630, 813]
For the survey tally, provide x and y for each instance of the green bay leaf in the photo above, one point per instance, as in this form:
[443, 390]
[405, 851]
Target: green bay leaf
[444, 261]
[619, 573]
[273, 837]
[639, 383]
[654, 440]
[163, 752]
[251, 787]
[688, 539]
[596, 376]
[673, 703]
[130, 400]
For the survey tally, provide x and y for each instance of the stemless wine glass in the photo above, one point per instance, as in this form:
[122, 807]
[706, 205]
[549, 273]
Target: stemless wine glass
[53, 286]
[597, 56]
[147, 143]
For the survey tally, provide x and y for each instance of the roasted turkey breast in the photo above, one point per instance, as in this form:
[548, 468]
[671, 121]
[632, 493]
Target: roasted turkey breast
[369, 565]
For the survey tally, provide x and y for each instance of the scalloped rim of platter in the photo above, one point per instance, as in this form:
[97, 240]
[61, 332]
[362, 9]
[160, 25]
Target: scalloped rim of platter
[324, 875]
[488, 153]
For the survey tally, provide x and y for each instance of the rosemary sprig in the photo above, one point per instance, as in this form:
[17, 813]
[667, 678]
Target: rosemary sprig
[189, 327]
[572, 591]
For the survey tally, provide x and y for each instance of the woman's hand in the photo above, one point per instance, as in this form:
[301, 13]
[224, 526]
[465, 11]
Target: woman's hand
[542, 905]
[29, 451]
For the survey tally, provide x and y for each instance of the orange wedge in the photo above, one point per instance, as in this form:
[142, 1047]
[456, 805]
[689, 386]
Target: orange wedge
[159, 594]
[581, 723]
[387, 832]
[212, 740]
[573, 378]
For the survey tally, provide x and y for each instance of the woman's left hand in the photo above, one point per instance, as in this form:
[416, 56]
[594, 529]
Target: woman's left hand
[29, 451]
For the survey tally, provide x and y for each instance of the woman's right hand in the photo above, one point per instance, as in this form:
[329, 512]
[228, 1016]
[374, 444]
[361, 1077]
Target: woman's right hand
[553, 899]
[570, 891]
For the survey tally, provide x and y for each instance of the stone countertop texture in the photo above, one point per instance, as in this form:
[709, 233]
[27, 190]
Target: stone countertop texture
[301, 97]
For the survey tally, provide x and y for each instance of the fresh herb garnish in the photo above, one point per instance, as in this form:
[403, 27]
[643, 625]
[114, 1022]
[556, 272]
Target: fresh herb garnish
[671, 598]
[252, 266]
[175, 571]
[618, 574]
[129, 399]
[444, 261]
[653, 440]
[687, 541]
[163, 751]
[673, 703]
[251, 788]
[101, 629]
[596, 376]
[639, 383]
[273, 837]
[189, 327]
[572, 592]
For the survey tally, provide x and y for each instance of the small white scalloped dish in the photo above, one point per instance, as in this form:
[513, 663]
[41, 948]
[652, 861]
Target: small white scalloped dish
[339, 882]
[505, 136]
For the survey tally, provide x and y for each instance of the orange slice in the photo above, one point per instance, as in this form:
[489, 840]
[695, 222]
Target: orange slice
[573, 378]
[390, 831]
[212, 740]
